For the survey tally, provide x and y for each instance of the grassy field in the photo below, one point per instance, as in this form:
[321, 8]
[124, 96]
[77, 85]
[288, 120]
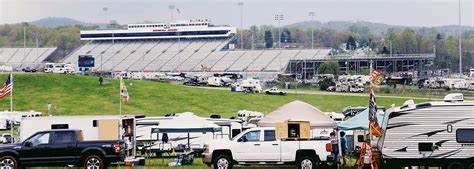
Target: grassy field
[82, 95]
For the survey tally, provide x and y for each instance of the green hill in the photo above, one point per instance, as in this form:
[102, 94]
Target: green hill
[80, 95]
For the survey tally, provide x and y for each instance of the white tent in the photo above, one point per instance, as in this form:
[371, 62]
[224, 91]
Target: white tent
[298, 111]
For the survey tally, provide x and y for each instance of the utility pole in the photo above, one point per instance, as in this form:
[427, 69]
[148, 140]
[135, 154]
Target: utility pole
[279, 18]
[241, 5]
[171, 7]
[460, 49]
[105, 9]
[311, 14]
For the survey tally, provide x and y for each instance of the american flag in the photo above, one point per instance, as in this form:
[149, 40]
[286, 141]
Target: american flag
[123, 92]
[7, 87]
[374, 74]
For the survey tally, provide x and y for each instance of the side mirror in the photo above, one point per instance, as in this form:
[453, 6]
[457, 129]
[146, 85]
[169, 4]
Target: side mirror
[28, 144]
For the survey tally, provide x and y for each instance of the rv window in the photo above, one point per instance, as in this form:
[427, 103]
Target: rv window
[60, 126]
[23, 115]
[465, 135]
[269, 135]
[94, 123]
[64, 137]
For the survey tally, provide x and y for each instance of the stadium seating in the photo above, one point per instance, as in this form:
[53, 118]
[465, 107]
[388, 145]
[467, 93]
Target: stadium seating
[20, 58]
[187, 55]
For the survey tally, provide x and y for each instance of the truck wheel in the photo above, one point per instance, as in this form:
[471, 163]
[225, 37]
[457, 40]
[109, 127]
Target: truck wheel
[93, 162]
[306, 162]
[8, 162]
[222, 162]
[455, 165]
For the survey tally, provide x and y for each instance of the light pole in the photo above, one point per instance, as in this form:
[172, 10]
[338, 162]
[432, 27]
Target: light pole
[279, 18]
[311, 14]
[171, 7]
[241, 5]
[460, 32]
[105, 9]
[114, 23]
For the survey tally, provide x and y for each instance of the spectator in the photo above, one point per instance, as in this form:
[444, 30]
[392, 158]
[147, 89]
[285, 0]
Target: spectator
[335, 148]
[344, 148]
[49, 108]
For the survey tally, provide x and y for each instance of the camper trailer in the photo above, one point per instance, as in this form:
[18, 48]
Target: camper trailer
[249, 85]
[16, 116]
[154, 141]
[93, 127]
[429, 134]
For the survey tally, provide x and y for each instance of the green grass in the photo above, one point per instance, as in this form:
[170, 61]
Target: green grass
[82, 95]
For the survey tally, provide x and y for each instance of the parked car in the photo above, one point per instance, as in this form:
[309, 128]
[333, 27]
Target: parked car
[192, 82]
[29, 69]
[275, 90]
[331, 89]
[260, 146]
[6, 138]
[60, 148]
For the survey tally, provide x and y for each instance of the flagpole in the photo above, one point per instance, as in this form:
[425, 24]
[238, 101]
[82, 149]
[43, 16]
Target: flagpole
[120, 95]
[11, 104]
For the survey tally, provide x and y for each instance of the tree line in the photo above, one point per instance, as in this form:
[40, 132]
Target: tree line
[407, 41]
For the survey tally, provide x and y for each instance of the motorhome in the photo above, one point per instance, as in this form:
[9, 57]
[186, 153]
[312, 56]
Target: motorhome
[219, 81]
[429, 134]
[59, 68]
[249, 118]
[249, 85]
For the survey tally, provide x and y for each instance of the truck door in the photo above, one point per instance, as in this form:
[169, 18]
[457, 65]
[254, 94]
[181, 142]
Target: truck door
[248, 147]
[109, 130]
[64, 146]
[37, 149]
[270, 147]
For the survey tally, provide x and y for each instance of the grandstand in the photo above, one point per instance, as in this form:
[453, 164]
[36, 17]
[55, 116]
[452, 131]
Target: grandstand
[19, 58]
[191, 46]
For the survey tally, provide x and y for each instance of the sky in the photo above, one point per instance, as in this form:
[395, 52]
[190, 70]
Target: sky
[425, 13]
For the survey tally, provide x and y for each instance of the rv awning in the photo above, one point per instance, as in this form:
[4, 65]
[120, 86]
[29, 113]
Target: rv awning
[185, 130]
[186, 123]
[359, 121]
[298, 111]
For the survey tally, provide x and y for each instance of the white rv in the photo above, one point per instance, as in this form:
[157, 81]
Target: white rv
[16, 116]
[429, 134]
[59, 68]
[93, 127]
[249, 85]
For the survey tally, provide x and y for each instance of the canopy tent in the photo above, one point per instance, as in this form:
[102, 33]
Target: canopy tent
[298, 111]
[359, 121]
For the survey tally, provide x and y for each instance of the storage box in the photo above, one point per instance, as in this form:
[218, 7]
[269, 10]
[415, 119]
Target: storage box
[293, 130]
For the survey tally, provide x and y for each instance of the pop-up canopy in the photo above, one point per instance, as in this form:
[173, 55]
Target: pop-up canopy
[359, 121]
[298, 111]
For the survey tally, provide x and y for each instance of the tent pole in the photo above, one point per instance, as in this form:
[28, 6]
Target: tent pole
[189, 145]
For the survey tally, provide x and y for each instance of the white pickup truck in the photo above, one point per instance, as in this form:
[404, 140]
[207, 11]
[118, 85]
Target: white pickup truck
[259, 146]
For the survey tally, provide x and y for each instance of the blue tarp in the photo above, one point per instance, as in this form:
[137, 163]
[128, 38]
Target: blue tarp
[359, 121]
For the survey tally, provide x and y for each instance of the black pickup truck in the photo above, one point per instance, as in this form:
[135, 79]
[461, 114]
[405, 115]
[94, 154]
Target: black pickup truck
[61, 148]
